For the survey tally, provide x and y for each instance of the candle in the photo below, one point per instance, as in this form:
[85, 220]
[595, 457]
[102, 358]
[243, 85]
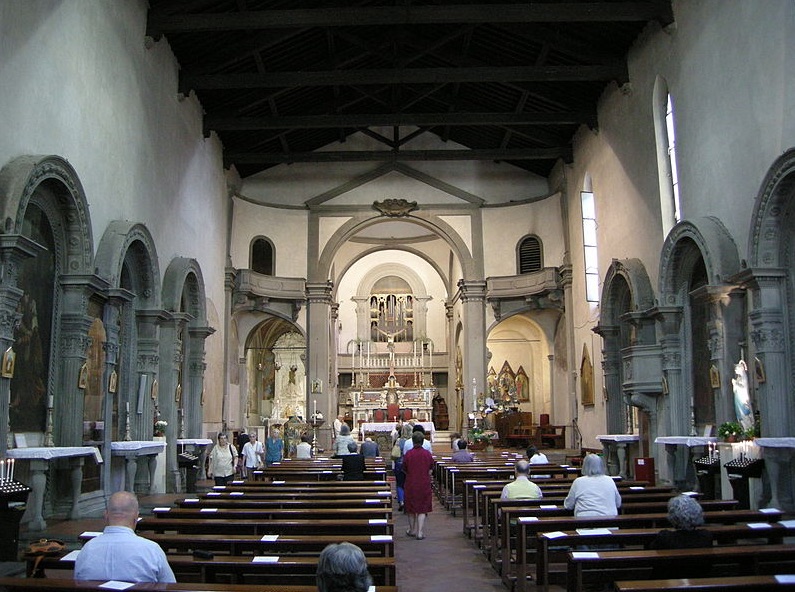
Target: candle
[127, 405]
[2, 469]
[314, 407]
[49, 401]
[11, 474]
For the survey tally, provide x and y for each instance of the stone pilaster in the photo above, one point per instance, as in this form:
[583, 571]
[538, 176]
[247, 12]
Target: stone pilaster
[172, 359]
[319, 353]
[473, 297]
[611, 368]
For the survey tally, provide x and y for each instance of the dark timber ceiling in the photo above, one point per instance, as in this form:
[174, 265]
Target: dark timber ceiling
[510, 81]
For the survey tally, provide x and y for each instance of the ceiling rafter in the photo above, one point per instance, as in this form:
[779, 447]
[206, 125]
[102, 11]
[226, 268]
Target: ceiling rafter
[584, 12]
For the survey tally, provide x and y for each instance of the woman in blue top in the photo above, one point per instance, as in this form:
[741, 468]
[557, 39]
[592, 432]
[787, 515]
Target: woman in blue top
[274, 448]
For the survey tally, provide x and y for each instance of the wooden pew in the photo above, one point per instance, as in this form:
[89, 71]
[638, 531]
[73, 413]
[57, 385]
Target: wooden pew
[270, 504]
[529, 528]
[722, 534]
[368, 526]
[256, 494]
[64, 584]
[277, 485]
[219, 514]
[608, 566]
[733, 584]
[265, 569]
[241, 544]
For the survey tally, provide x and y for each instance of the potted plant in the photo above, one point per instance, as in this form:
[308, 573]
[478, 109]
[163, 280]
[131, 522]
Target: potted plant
[480, 439]
[160, 427]
[730, 431]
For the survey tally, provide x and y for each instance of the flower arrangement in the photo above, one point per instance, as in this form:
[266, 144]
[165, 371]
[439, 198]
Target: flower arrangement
[160, 427]
[730, 430]
[481, 435]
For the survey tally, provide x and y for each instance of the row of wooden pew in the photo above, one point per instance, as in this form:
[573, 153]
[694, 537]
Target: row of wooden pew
[259, 535]
[534, 543]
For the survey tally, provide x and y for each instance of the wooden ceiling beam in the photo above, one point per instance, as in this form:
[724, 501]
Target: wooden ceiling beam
[581, 12]
[393, 119]
[616, 71]
[396, 156]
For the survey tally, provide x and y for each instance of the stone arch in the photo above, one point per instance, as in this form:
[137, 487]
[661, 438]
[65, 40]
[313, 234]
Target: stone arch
[468, 265]
[63, 202]
[771, 256]
[625, 322]
[183, 332]
[713, 243]
[131, 242]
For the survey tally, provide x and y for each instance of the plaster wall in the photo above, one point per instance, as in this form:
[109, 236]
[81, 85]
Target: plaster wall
[504, 227]
[436, 182]
[79, 81]
[286, 229]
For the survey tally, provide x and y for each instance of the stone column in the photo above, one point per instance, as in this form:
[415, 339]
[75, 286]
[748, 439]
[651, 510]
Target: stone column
[774, 395]
[611, 360]
[678, 405]
[147, 365]
[570, 394]
[193, 388]
[14, 249]
[172, 333]
[318, 363]
[473, 297]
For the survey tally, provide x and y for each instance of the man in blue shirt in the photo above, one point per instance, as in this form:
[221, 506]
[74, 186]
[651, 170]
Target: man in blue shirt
[118, 553]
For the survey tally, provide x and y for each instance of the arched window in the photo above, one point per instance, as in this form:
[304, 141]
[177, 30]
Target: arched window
[262, 256]
[665, 132]
[588, 203]
[530, 255]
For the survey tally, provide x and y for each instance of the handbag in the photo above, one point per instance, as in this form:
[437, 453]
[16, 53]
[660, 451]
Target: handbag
[397, 452]
[41, 549]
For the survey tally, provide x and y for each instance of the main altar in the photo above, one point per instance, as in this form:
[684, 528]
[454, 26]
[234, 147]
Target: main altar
[393, 385]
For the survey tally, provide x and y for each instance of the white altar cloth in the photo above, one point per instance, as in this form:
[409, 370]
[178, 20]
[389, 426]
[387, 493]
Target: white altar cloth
[775, 442]
[388, 426]
[618, 438]
[50, 452]
[142, 447]
[688, 441]
[194, 441]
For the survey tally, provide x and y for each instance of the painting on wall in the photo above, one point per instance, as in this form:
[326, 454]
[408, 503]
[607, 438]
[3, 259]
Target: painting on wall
[522, 385]
[586, 378]
[27, 410]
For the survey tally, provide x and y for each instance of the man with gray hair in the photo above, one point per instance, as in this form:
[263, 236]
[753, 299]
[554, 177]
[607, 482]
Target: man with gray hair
[342, 567]
[521, 487]
[118, 553]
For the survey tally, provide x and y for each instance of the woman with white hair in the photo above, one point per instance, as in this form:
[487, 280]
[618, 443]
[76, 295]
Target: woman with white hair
[685, 515]
[593, 494]
[342, 567]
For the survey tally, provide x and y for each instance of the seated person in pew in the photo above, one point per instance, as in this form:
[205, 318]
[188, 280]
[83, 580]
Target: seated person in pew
[521, 487]
[685, 515]
[426, 444]
[593, 494]
[535, 457]
[343, 439]
[353, 465]
[462, 455]
[118, 553]
[342, 567]
[370, 448]
[304, 450]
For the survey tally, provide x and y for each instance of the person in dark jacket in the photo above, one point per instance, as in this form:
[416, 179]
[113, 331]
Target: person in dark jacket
[352, 464]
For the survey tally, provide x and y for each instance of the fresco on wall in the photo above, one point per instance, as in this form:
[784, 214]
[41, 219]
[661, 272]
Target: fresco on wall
[32, 335]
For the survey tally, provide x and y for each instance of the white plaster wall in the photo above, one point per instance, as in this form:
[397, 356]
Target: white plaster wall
[726, 64]
[286, 229]
[491, 182]
[504, 227]
[77, 81]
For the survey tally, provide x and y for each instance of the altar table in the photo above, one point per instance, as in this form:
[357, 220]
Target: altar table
[388, 426]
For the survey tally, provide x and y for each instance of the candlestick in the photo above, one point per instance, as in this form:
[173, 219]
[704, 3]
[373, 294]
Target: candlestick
[49, 401]
[2, 469]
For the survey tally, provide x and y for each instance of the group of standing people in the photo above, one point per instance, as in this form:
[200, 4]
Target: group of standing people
[225, 460]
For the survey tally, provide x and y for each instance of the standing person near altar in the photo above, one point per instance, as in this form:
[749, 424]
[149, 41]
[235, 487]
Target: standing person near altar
[274, 448]
[418, 464]
[253, 455]
[337, 425]
[223, 461]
